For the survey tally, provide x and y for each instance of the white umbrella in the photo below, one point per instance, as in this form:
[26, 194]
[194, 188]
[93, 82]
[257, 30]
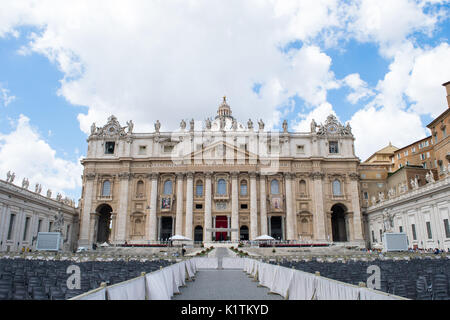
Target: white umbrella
[104, 244]
[179, 238]
[264, 238]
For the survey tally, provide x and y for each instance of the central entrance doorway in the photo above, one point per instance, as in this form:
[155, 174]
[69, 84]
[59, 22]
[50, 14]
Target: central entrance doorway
[104, 223]
[276, 228]
[339, 223]
[221, 222]
[166, 228]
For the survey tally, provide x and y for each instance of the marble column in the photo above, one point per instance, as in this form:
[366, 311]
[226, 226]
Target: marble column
[357, 222]
[290, 214]
[151, 226]
[179, 214]
[319, 214]
[207, 235]
[124, 177]
[253, 207]
[87, 210]
[234, 207]
[189, 205]
[263, 204]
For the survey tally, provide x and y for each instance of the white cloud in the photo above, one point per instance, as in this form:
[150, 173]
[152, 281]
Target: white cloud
[5, 97]
[374, 128]
[360, 89]
[431, 69]
[24, 152]
[319, 115]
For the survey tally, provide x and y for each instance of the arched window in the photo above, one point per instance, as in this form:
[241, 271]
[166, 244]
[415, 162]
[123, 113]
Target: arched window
[199, 188]
[140, 189]
[221, 187]
[302, 187]
[336, 187]
[274, 187]
[243, 187]
[106, 190]
[168, 187]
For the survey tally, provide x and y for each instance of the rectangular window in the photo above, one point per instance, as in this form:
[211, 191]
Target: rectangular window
[373, 237]
[447, 228]
[333, 147]
[424, 165]
[244, 206]
[109, 147]
[25, 230]
[50, 226]
[168, 149]
[198, 206]
[300, 149]
[11, 226]
[413, 228]
[68, 231]
[400, 228]
[39, 225]
[366, 195]
[430, 236]
[381, 235]
[428, 154]
[413, 149]
[378, 176]
[398, 156]
[406, 153]
[363, 176]
[435, 139]
[142, 150]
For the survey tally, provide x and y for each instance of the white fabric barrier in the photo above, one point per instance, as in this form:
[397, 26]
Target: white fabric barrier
[129, 290]
[302, 286]
[206, 263]
[368, 294]
[265, 274]
[328, 289]
[190, 268]
[169, 277]
[281, 281]
[233, 263]
[157, 287]
[99, 294]
[179, 270]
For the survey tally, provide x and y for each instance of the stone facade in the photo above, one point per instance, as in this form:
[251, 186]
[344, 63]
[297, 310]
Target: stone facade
[220, 180]
[422, 213]
[24, 213]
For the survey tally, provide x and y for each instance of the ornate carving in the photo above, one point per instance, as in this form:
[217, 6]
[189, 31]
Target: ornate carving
[111, 129]
[130, 125]
[154, 175]
[354, 176]
[125, 175]
[157, 126]
[332, 126]
[316, 175]
[234, 174]
[261, 125]
[285, 126]
[90, 176]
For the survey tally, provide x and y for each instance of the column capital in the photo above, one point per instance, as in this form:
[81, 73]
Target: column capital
[190, 175]
[208, 174]
[288, 175]
[90, 176]
[234, 174]
[253, 174]
[154, 175]
[316, 175]
[180, 175]
[354, 176]
[124, 176]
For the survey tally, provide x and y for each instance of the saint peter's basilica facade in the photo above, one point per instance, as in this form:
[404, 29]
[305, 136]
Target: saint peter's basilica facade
[220, 180]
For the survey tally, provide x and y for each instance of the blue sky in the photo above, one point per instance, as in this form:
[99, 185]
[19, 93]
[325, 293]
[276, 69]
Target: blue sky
[377, 64]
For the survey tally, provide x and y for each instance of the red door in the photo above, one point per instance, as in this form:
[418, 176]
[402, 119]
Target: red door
[221, 222]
